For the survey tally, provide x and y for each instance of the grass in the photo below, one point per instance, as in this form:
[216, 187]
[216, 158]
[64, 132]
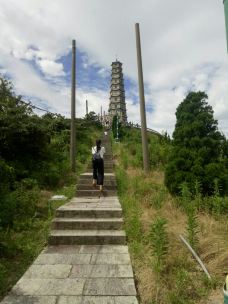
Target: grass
[144, 198]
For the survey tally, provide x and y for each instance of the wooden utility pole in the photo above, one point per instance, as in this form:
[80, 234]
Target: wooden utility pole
[101, 115]
[73, 131]
[87, 111]
[146, 164]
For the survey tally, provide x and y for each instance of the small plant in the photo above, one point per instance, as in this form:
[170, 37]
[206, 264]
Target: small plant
[185, 195]
[198, 195]
[183, 286]
[124, 160]
[217, 200]
[159, 242]
[192, 226]
[158, 197]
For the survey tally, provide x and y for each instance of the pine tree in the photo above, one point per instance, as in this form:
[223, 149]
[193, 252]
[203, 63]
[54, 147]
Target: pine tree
[198, 147]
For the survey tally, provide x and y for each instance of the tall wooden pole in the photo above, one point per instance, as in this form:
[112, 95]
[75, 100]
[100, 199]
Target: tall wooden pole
[87, 111]
[73, 131]
[101, 115]
[146, 164]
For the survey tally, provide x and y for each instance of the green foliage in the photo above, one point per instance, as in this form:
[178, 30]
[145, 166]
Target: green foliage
[34, 158]
[192, 226]
[93, 119]
[158, 197]
[131, 210]
[182, 292]
[18, 205]
[159, 243]
[198, 151]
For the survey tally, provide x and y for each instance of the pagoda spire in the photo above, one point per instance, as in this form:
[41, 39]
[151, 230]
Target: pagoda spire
[117, 105]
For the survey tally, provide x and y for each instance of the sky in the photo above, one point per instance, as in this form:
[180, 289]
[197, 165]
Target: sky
[183, 49]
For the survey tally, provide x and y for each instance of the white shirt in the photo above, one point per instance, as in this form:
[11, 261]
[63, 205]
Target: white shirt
[101, 151]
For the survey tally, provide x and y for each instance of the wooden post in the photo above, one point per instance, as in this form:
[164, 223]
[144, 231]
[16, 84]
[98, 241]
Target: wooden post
[73, 87]
[146, 164]
[87, 111]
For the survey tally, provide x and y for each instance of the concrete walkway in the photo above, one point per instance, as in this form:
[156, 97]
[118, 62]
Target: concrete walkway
[87, 259]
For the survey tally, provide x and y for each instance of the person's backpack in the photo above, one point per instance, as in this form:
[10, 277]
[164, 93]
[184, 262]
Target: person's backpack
[96, 155]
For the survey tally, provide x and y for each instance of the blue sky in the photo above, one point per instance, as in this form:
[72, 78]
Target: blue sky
[183, 49]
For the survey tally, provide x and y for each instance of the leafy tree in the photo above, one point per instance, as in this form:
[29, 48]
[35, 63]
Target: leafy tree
[92, 118]
[199, 149]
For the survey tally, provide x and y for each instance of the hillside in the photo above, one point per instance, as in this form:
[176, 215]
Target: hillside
[34, 165]
[165, 271]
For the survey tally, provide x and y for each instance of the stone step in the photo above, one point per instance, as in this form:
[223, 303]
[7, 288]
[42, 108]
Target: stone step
[106, 162]
[84, 181]
[106, 166]
[87, 223]
[108, 176]
[89, 186]
[106, 170]
[95, 193]
[87, 237]
[89, 212]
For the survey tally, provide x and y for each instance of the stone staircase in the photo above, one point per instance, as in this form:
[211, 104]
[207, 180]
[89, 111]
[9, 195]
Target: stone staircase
[88, 219]
[87, 259]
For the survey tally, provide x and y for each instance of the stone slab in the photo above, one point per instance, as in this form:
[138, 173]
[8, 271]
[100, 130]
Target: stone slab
[109, 287]
[87, 233]
[50, 287]
[29, 300]
[99, 204]
[103, 249]
[101, 271]
[97, 300]
[110, 258]
[76, 200]
[91, 174]
[48, 272]
[63, 249]
[90, 212]
[68, 259]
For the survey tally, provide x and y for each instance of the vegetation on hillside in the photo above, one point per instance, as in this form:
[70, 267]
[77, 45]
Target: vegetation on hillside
[164, 269]
[34, 163]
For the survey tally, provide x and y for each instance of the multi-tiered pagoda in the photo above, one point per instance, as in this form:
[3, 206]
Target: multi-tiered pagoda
[117, 105]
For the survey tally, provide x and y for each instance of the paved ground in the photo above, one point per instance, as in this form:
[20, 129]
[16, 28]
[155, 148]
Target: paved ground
[77, 274]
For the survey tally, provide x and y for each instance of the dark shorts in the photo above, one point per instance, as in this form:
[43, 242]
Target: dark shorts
[98, 171]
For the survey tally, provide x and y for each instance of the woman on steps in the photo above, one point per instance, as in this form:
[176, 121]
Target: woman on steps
[98, 165]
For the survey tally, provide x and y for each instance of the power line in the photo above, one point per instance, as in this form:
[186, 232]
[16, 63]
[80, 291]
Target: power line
[35, 107]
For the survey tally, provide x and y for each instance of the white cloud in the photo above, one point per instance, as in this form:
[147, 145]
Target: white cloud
[178, 39]
[51, 68]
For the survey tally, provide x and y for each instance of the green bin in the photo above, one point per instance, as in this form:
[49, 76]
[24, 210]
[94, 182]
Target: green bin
[225, 292]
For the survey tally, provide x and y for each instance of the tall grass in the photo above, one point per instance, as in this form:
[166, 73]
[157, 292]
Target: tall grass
[165, 271]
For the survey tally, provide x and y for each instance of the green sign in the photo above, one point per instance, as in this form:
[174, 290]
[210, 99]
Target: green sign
[225, 2]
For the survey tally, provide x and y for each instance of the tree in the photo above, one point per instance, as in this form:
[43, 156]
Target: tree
[198, 152]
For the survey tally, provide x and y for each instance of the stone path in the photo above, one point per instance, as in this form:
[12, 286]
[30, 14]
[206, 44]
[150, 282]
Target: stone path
[87, 259]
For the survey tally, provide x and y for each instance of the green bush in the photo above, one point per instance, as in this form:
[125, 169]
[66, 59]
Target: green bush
[199, 149]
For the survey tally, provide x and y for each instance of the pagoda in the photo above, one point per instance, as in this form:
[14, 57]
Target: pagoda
[117, 105]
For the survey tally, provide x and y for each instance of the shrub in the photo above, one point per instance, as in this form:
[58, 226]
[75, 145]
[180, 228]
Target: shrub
[159, 242]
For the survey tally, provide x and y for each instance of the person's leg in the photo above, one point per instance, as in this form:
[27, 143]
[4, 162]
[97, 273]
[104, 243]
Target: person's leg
[94, 173]
[100, 176]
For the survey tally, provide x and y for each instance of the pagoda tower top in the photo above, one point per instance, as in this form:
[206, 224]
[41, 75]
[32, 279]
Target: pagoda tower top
[117, 105]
